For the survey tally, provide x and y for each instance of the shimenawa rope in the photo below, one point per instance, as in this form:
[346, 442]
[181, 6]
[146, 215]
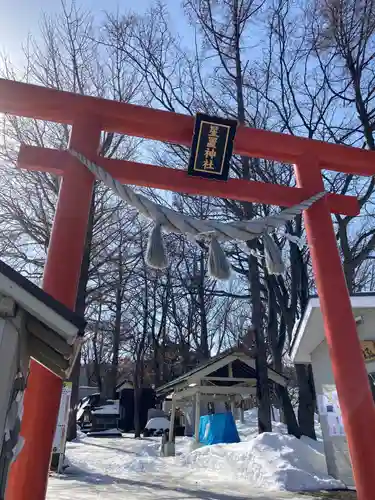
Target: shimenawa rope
[176, 222]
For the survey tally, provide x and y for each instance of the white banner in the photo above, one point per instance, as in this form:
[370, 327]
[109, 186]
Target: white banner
[59, 440]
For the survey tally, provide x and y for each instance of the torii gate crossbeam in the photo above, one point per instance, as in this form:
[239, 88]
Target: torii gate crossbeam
[88, 117]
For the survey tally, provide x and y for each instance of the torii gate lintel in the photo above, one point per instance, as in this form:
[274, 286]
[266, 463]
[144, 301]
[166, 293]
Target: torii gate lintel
[139, 174]
[88, 117]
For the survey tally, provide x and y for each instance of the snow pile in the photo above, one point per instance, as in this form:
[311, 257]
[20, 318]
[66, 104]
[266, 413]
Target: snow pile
[272, 461]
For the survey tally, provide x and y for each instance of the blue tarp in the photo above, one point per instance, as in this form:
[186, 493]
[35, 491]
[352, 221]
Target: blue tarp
[218, 428]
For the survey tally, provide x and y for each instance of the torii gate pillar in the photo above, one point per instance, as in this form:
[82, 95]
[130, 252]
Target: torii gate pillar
[355, 397]
[29, 473]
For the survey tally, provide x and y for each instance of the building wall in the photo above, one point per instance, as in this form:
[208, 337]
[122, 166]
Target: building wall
[336, 447]
[13, 355]
[8, 342]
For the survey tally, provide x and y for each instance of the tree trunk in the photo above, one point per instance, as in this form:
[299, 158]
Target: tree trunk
[112, 379]
[205, 352]
[96, 368]
[306, 406]
[264, 410]
[372, 385]
[74, 399]
[264, 406]
[276, 338]
[80, 309]
[137, 404]
[288, 411]
[263, 395]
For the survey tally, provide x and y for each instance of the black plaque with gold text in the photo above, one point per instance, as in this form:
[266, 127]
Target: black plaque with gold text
[212, 147]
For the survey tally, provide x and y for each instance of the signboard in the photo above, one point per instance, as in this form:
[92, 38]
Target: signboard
[59, 440]
[328, 405]
[212, 147]
[368, 350]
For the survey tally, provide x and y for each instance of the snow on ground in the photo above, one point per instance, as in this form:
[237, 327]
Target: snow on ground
[259, 468]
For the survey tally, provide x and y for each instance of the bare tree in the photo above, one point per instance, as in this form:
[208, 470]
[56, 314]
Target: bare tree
[222, 27]
[66, 57]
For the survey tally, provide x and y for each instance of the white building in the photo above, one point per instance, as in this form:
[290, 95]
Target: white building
[310, 346]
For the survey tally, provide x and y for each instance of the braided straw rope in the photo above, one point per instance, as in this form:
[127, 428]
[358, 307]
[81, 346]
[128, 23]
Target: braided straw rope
[176, 222]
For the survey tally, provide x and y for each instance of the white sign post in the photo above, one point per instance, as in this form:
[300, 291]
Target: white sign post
[59, 441]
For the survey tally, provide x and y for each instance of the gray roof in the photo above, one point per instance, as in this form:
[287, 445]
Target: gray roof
[197, 369]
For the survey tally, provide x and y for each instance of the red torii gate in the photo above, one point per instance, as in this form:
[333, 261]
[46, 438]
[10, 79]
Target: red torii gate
[88, 117]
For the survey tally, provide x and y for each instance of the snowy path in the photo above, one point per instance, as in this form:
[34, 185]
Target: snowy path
[128, 469]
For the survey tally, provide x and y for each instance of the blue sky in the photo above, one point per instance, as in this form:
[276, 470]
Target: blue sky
[21, 17]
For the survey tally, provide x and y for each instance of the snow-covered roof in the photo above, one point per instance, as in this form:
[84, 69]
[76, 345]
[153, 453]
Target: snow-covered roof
[40, 304]
[243, 366]
[107, 409]
[125, 384]
[158, 423]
